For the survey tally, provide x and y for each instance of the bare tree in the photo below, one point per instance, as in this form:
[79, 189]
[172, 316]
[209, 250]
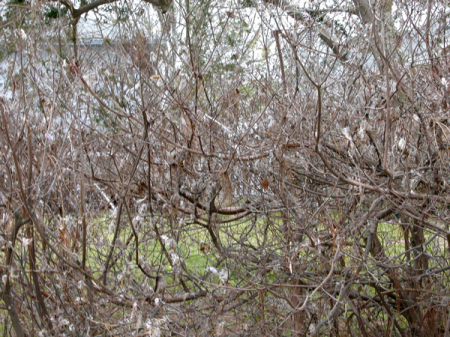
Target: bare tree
[228, 168]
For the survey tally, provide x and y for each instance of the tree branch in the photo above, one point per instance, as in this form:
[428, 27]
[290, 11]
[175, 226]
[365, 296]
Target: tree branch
[297, 13]
[90, 6]
[362, 9]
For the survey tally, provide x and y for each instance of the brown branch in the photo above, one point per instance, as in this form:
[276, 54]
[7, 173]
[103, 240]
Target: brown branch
[18, 221]
[76, 13]
[280, 56]
[8, 299]
[186, 297]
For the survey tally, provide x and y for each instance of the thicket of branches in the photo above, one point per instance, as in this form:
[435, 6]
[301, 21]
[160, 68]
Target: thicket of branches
[227, 168]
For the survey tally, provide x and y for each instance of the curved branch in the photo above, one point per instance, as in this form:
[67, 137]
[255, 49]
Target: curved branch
[297, 13]
[90, 6]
